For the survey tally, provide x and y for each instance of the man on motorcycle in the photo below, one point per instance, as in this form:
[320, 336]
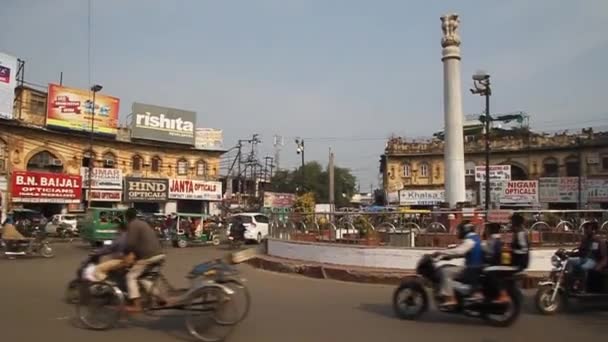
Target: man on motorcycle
[493, 257]
[472, 251]
[520, 244]
[116, 250]
[592, 253]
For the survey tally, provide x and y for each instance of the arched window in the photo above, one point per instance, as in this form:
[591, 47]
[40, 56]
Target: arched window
[469, 168]
[201, 168]
[550, 167]
[109, 160]
[156, 164]
[424, 170]
[136, 162]
[182, 167]
[407, 170]
[88, 159]
[573, 166]
[45, 161]
[3, 155]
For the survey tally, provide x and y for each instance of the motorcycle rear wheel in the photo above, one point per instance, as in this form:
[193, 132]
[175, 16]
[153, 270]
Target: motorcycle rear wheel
[46, 251]
[510, 315]
[410, 294]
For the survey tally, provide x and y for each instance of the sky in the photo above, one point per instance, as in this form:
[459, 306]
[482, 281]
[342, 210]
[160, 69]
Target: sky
[343, 75]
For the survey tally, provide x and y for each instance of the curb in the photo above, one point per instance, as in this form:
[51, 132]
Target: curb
[356, 275]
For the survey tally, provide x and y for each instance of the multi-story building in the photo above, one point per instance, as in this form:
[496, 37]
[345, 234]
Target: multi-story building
[155, 169]
[416, 168]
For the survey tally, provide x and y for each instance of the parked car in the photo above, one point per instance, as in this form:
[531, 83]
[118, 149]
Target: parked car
[256, 225]
[67, 221]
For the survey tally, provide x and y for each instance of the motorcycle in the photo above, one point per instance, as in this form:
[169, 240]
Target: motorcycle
[561, 286]
[410, 299]
[36, 246]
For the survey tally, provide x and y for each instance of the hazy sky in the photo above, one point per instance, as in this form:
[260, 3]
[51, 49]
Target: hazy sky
[342, 74]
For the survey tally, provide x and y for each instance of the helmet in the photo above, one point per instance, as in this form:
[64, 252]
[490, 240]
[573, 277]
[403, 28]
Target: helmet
[464, 228]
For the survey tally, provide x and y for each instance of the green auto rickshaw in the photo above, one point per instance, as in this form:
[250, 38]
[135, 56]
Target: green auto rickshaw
[193, 229]
[100, 225]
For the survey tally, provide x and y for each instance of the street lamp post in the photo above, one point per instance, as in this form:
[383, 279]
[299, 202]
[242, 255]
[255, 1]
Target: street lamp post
[481, 82]
[94, 89]
[300, 151]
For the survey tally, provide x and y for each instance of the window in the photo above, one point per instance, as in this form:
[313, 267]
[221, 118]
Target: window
[201, 168]
[109, 160]
[550, 167]
[261, 219]
[87, 158]
[45, 161]
[136, 162]
[469, 168]
[424, 170]
[604, 162]
[407, 170]
[182, 167]
[156, 164]
[572, 167]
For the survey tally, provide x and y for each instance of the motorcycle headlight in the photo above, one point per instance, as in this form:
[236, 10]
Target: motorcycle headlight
[556, 261]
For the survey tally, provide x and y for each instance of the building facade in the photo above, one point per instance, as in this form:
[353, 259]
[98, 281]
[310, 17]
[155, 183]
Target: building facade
[553, 162]
[47, 169]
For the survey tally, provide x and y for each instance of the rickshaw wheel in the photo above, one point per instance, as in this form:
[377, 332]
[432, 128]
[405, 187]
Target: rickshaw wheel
[216, 241]
[182, 243]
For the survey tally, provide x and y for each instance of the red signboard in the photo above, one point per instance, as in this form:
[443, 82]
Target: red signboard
[42, 187]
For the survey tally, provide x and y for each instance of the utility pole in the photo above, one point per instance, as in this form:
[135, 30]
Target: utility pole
[94, 89]
[332, 191]
[580, 173]
[481, 82]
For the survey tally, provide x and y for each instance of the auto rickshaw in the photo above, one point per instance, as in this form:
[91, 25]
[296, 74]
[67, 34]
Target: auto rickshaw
[190, 229]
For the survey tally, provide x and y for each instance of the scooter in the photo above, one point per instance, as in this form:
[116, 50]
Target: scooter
[554, 293]
[410, 299]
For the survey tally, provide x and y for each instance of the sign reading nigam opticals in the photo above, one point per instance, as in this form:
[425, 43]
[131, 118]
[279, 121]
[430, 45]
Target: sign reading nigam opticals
[163, 124]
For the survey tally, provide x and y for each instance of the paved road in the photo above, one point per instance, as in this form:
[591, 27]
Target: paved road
[285, 308]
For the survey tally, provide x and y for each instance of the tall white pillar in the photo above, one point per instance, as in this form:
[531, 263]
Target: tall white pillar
[453, 153]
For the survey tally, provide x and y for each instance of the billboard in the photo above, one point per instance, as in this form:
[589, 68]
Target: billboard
[146, 189]
[511, 192]
[428, 197]
[558, 189]
[191, 189]
[279, 200]
[163, 124]
[43, 187]
[8, 82]
[497, 172]
[72, 109]
[209, 139]
[102, 178]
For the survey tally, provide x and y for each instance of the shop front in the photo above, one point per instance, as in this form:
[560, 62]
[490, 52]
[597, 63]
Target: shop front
[48, 193]
[147, 195]
[193, 196]
[106, 187]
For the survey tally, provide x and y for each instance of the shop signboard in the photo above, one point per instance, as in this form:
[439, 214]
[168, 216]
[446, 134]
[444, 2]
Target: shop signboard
[163, 124]
[209, 139]
[146, 189]
[105, 195]
[42, 187]
[72, 108]
[597, 190]
[558, 189]
[497, 172]
[279, 200]
[192, 189]
[8, 82]
[512, 192]
[428, 197]
[102, 178]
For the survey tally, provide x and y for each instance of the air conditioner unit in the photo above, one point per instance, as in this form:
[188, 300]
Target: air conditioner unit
[56, 162]
[109, 162]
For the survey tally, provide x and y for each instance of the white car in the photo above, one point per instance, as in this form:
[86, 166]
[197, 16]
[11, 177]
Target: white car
[57, 220]
[256, 226]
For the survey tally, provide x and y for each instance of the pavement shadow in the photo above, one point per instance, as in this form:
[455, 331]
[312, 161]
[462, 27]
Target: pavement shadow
[173, 324]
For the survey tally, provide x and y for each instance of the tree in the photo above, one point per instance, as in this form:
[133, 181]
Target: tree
[315, 179]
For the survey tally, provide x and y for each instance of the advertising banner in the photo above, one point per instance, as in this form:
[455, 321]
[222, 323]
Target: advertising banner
[516, 192]
[558, 189]
[72, 109]
[597, 190]
[279, 200]
[191, 189]
[497, 172]
[428, 197]
[8, 82]
[102, 178]
[146, 189]
[209, 139]
[163, 124]
[42, 187]
[105, 195]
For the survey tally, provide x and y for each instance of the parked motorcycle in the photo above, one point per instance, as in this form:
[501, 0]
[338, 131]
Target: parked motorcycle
[410, 299]
[561, 286]
[38, 245]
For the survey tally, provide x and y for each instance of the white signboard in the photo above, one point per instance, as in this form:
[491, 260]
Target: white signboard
[558, 189]
[8, 82]
[497, 172]
[191, 189]
[597, 190]
[427, 197]
[102, 178]
[209, 139]
[511, 192]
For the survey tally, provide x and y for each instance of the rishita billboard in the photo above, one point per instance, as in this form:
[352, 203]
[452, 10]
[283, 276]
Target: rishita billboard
[72, 109]
[163, 124]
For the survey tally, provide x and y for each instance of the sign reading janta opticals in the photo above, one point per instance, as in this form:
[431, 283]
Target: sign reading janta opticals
[146, 189]
[192, 189]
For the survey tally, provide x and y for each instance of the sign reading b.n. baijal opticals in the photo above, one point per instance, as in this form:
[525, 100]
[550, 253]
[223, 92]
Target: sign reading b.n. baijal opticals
[163, 124]
[146, 189]
[45, 187]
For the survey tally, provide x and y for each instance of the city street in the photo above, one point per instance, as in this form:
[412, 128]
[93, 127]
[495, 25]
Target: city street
[284, 308]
